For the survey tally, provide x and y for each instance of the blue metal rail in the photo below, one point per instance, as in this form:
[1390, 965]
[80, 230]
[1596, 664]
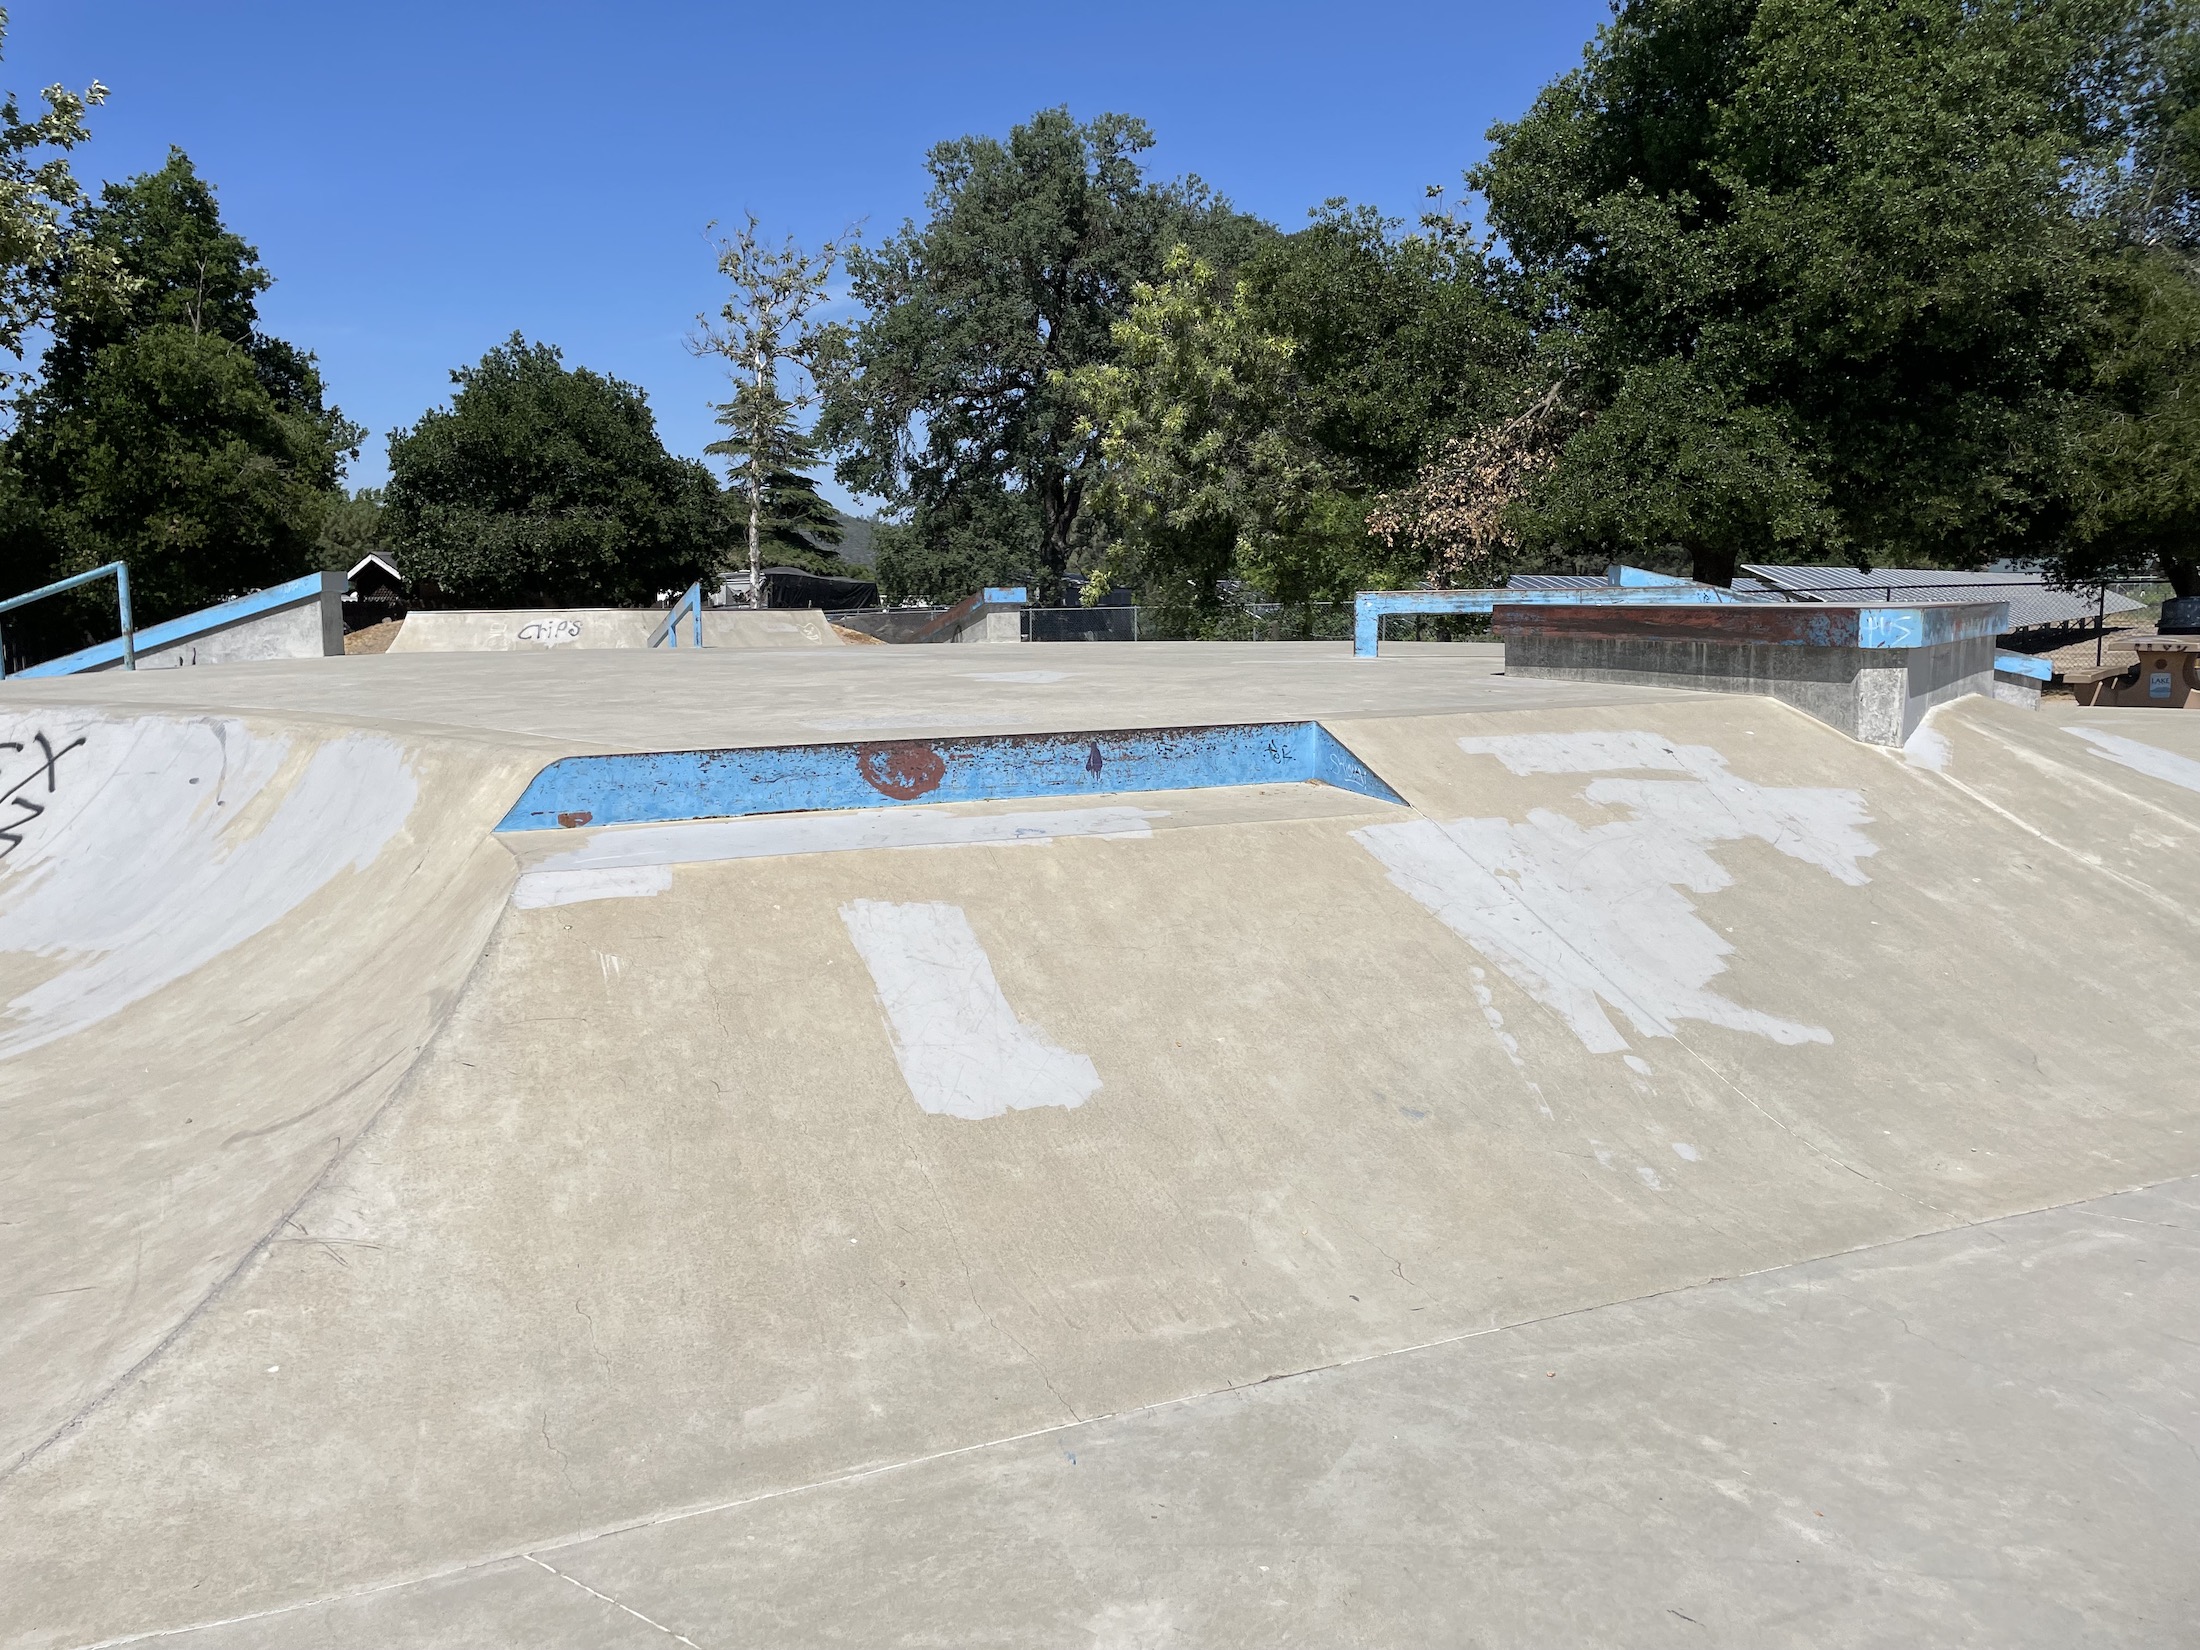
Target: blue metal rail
[175, 632]
[1628, 587]
[128, 640]
[691, 604]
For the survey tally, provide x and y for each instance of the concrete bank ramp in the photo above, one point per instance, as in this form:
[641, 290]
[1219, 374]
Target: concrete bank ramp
[797, 1153]
[222, 943]
[522, 629]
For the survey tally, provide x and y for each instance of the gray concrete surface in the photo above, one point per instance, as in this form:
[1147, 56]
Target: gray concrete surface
[1857, 1450]
[397, 1232]
[627, 699]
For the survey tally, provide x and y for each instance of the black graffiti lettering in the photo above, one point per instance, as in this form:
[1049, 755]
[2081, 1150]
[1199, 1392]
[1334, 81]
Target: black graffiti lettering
[47, 767]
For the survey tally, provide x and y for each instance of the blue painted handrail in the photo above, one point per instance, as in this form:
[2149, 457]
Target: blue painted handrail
[690, 602]
[174, 632]
[128, 639]
[1371, 607]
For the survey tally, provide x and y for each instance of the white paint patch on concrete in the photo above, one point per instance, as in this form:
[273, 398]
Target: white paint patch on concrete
[703, 841]
[961, 1048]
[1928, 748]
[1585, 918]
[536, 890]
[1649, 1177]
[2150, 760]
[1686, 1153]
[1639, 1066]
[161, 843]
[1033, 676]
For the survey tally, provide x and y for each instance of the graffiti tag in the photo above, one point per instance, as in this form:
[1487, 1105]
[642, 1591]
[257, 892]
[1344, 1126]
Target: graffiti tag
[550, 632]
[21, 808]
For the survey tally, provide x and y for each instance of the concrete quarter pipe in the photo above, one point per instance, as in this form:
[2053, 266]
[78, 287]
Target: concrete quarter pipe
[1655, 1171]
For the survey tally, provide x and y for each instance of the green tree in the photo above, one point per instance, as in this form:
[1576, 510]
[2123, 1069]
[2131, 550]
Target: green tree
[544, 486]
[38, 198]
[2135, 447]
[1399, 340]
[1203, 464]
[1844, 239]
[950, 399]
[352, 529]
[1678, 471]
[764, 330]
[168, 430]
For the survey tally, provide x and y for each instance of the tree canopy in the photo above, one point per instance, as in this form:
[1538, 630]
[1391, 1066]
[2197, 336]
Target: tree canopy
[167, 429]
[1818, 271]
[547, 486]
[949, 399]
[765, 334]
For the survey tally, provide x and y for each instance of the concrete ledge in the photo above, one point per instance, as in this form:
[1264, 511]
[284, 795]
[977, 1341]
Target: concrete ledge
[528, 630]
[2018, 678]
[303, 619]
[1871, 671]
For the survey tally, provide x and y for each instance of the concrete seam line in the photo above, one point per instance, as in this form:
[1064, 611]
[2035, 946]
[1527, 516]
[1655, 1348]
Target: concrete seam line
[343, 1153]
[2152, 895]
[837, 1481]
[2093, 778]
[614, 1603]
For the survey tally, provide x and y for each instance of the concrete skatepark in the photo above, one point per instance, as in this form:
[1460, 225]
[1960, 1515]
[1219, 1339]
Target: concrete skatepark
[1678, 1175]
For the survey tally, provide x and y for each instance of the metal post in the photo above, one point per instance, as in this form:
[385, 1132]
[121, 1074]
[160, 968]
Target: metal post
[122, 604]
[2100, 624]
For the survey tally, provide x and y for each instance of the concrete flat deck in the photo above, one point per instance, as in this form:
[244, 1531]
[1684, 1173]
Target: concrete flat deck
[630, 700]
[1680, 1176]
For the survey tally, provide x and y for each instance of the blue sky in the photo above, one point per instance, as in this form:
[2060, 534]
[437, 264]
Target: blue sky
[423, 178]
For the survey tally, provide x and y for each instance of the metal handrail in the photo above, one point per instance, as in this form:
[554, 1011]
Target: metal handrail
[691, 601]
[121, 571]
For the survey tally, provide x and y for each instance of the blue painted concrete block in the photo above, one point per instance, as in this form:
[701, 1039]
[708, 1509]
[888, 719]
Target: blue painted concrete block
[654, 787]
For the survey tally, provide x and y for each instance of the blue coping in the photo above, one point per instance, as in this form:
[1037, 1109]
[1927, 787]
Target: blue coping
[182, 630]
[2022, 664]
[661, 786]
[1010, 594]
[1619, 574]
[1371, 607]
[1929, 625]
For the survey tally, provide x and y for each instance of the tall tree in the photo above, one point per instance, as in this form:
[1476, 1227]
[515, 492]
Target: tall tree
[1840, 239]
[1203, 464]
[38, 197]
[949, 400]
[765, 330]
[2135, 449]
[1399, 339]
[169, 431]
[546, 486]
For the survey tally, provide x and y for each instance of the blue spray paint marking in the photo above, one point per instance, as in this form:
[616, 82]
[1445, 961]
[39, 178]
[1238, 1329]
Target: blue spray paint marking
[660, 786]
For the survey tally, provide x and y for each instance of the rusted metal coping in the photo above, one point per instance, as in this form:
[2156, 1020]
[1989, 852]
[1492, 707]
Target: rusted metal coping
[660, 786]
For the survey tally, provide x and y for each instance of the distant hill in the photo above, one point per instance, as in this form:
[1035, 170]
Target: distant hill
[856, 547]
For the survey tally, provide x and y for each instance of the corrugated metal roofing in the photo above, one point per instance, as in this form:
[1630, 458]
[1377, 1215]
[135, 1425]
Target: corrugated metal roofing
[2031, 602]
